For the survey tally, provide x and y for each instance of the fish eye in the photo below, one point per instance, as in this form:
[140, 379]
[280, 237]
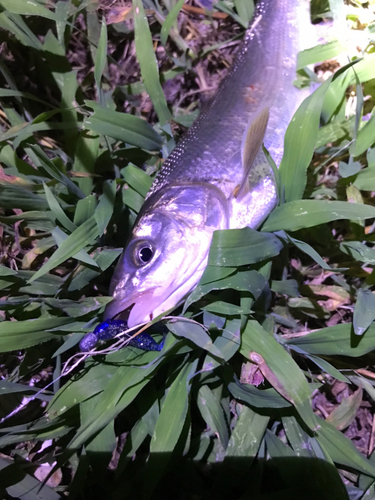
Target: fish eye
[143, 253]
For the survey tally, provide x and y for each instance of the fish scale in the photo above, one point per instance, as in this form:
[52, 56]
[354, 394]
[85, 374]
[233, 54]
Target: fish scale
[262, 71]
[218, 176]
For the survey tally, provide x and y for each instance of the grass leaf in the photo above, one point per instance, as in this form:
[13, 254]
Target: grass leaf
[364, 311]
[101, 56]
[238, 247]
[170, 20]
[124, 127]
[29, 8]
[16, 335]
[336, 340]
[278, 368]
[147, 62]
[308, 213]
[302, 130]
[84, 235]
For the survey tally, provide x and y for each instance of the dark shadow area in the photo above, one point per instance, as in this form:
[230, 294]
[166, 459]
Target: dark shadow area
[165, 476]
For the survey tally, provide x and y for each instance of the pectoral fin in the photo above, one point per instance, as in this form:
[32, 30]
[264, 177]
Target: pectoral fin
[251, 145]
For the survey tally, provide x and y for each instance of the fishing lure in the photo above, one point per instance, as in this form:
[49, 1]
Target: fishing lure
[109, 329]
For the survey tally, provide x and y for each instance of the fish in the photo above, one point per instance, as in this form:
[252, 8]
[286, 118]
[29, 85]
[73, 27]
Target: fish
[217, 177]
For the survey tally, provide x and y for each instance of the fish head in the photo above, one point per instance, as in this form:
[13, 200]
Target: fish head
[167, 252]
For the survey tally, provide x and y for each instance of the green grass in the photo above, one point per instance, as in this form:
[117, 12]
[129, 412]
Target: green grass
[227, 409]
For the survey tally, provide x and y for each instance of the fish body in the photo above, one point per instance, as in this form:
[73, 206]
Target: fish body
[217, 177]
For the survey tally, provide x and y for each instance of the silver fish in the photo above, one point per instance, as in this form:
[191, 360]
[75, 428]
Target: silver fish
[217, 177]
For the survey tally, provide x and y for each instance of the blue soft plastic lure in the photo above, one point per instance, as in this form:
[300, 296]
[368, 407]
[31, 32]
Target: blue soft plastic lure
[109, 329]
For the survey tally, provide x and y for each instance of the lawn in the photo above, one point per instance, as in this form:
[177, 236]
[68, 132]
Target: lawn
[265, 386]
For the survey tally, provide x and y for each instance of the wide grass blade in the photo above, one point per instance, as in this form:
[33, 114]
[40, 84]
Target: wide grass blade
[318, 53]
[120, 391]
[25, 95]
[104, 210]
[247, 434]
[173, 412]
[245, 9]
[59, 236]
[365, 70]
[16, 25]
[86, 154]
[170, 20]
[325, 366]
[84, 235]
[302, 130]
[43, 162]
[29, 8]
[308, 250]
[364, 311]
[57, 211]
[147, 62]
[336, 340]
[238, 247]
[92, 382]
[212, 412]
[344, 414]
[258, 398]
[137, 179]
[20, 484]
[308, 213]
[100, 448]
[101, 55]
[250, 281]
[366, 137]
[16, 335]
[196, 334]
[18, 197]
[62, 14]
[278, 368]
[341, 450]
[124, 127]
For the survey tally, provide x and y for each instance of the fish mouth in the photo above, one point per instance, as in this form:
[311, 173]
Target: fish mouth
[123, 315]
[135, 310]
[143, 306]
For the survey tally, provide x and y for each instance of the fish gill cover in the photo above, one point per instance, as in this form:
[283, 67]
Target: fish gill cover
[264, 387]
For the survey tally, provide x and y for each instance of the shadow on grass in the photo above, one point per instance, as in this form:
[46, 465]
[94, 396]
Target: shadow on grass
[165, 476]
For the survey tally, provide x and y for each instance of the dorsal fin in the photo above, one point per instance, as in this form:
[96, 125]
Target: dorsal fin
[251, 145]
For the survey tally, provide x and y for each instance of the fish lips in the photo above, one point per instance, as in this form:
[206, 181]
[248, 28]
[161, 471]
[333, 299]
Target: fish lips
[135, 309]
